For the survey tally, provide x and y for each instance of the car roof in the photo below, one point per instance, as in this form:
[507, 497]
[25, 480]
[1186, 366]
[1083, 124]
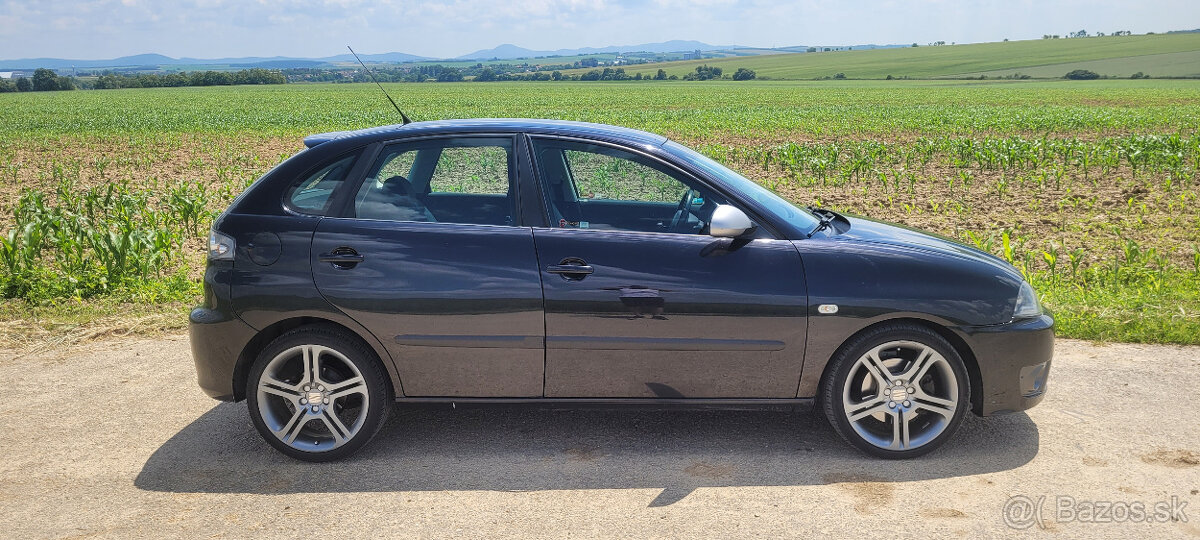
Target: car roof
[484, 125]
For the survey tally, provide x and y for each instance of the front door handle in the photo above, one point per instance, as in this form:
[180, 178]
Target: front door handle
[570, 269]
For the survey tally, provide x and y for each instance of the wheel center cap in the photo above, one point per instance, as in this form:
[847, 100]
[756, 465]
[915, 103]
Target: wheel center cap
[314, 396]
[899, 393]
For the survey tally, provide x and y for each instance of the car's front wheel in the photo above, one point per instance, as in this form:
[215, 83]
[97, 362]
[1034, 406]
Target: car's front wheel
[317, 394]
[897, 391]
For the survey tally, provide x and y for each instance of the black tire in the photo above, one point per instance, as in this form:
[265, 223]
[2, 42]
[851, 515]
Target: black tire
[846, 363]
[338, 356]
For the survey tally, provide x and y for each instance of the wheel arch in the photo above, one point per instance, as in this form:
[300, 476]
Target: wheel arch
[960, 346]
[268, 334]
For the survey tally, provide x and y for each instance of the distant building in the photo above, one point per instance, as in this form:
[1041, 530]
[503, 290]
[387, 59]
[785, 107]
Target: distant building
[7, 74]
[694, 55]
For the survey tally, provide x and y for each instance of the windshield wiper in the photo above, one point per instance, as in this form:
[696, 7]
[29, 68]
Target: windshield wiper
[828, 219]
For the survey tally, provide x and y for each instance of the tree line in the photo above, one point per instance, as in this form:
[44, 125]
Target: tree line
[44, 80]
[1084, 33]
[502, 73]
[47, 80]
[193, 78]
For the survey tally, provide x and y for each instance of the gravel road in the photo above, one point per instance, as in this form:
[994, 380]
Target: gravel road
[114, 439]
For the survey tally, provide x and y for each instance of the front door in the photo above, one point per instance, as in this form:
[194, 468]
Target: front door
[431, 261]
[641, 302]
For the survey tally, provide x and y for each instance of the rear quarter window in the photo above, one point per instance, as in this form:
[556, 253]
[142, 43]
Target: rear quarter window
[313, 193]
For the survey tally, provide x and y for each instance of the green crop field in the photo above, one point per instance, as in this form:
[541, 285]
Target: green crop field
[1091, 188]
[762, 110]
[1164, 55]
[1177, 64]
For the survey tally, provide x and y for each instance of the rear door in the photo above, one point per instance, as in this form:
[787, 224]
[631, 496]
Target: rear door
[431, 257]
[641, 302]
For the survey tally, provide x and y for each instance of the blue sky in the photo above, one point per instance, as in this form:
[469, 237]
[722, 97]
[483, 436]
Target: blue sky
[94, 29]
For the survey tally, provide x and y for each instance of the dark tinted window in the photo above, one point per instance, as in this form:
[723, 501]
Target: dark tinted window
[453, 180]
[589, 186]
[312, 194]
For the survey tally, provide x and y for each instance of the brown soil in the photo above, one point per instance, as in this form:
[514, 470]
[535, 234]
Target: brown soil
[870, 493]
[1097, 213]
[1176, 458]
[701, 469]
[164, 159]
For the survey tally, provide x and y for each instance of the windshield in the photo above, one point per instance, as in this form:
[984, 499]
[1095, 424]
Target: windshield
[773, 203]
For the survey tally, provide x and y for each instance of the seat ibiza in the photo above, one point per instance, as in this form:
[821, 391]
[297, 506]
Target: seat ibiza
[564, 263]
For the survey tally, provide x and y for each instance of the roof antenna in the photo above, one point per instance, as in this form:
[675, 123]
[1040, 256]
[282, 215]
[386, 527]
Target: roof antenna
[403, 116]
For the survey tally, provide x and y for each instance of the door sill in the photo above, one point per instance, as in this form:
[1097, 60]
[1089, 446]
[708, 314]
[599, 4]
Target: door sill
[801, 404]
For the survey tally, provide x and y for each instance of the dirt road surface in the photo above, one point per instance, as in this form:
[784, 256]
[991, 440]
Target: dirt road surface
[114, 439]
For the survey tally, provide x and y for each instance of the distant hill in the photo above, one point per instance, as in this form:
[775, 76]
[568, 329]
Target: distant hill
[59, 63]
[392, 57]
[503, 52]
[1160, 55]
[1173, 54]
[151, 60]
[509, 51]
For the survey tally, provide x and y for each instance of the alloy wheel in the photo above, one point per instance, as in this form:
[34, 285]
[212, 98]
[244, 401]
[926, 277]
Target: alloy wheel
[312, 398]
[900, 395]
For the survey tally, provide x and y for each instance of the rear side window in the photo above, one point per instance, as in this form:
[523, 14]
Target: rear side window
[464, 180]
[474, 169]
[313, 193]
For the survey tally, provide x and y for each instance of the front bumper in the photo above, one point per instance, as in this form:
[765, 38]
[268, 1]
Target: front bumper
[1014, 363]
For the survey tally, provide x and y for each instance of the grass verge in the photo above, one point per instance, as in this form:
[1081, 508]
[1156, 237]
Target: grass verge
[29, 327]
[1159, 308]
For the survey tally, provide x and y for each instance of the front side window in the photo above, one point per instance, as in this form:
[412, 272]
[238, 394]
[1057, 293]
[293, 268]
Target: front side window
[455, 180]
[591, 186]
[313, 193]
[775, 204]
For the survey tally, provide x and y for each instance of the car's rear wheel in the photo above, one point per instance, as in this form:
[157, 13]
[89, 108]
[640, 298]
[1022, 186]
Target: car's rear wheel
[897, 391]
[317, 394]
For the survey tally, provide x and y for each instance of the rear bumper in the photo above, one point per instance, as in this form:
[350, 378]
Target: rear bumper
[1014, 363]
[218, 337]
[217, 340]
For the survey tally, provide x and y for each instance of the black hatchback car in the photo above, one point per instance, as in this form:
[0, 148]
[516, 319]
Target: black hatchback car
[563, 263]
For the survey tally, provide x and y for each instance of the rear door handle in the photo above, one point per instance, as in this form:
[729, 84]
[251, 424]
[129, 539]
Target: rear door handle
[341, 257]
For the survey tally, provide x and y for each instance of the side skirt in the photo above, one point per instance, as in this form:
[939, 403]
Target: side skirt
[796, 404]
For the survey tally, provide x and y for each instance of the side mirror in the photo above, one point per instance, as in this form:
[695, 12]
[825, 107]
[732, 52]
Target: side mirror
[729, 222]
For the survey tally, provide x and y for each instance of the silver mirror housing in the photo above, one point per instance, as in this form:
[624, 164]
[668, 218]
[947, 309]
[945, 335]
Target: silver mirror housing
[729, 222]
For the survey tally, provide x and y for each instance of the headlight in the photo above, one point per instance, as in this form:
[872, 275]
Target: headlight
[1027, 303]
[220, 247]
